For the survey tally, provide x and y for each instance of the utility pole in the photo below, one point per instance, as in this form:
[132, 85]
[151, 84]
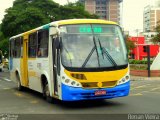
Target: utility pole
[146, 49]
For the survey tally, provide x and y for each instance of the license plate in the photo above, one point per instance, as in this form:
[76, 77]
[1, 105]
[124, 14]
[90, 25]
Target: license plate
[100, 92]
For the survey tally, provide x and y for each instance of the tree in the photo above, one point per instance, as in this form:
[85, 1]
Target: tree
[130, 44]
[28, 14]
[3, 43]
[156, 39]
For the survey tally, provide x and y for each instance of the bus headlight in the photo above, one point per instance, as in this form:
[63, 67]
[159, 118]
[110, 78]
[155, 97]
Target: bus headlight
[69, 82]
[123, 80]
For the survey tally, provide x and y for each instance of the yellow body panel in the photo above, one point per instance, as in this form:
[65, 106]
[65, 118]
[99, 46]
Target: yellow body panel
[103, 79]
[29, 32]
[31, 58]
[32, 73]
[100, 76]
[82, 21]
[24, 62]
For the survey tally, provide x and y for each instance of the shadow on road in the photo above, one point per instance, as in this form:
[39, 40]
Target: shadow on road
[90, 104]
[72, 105]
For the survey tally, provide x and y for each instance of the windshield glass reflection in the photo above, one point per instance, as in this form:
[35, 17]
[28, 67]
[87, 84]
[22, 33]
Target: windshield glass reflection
[92, 46]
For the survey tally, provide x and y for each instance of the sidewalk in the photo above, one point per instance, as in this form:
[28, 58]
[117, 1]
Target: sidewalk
[144, 78]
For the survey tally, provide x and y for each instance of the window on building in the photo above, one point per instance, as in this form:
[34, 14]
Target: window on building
[97, 2]
[43, 37]
[103, 2]
[32, 47]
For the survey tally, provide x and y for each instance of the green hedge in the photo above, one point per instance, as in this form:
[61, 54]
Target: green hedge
[139, 61]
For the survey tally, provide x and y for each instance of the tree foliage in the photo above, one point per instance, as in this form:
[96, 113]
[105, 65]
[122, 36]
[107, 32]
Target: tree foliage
[29, 14]
[130, 44]
[156, 39]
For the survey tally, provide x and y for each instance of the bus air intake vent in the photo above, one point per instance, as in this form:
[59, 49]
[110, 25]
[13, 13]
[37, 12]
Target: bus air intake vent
[95, 84]
[79, 76]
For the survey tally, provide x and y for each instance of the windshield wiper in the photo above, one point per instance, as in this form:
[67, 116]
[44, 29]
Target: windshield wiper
[111, 60]
[88, 57]
[101, 48]
[90, 54]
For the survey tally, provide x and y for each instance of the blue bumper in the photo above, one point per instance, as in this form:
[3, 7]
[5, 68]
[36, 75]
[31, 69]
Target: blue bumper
[75, 94]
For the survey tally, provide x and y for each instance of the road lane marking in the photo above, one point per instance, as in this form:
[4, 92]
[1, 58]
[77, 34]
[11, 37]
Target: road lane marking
[155, 89]
[5, 79]
[137, 94]
[18, 94]
[142, 86]
[6, 88]
[34, 102]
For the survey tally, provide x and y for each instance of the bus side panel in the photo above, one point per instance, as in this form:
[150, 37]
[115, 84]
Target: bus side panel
[33, 76]
[15, 68]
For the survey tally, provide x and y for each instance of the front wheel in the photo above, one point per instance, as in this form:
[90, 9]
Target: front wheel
[47, 94]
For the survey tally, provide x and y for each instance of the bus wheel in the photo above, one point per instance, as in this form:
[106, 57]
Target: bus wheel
[19, 86]
[46, 93]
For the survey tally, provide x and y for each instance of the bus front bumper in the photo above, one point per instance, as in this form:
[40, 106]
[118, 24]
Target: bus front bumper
[75, 94]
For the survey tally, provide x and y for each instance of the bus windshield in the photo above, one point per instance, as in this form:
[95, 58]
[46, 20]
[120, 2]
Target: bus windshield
[92, 46]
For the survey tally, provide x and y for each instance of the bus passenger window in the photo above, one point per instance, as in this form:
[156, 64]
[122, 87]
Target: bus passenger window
[32, 45]
[12, 48]
[43, 37]
[17, 50]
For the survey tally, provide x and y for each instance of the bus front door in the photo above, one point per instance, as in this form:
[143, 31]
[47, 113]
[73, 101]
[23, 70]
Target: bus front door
[56, 66]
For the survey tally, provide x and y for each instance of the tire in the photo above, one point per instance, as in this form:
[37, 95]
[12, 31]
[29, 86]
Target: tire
[0, 70]
[46, 93]
[19, 86]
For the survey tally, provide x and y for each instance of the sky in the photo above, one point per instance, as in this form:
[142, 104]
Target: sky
[132, 12]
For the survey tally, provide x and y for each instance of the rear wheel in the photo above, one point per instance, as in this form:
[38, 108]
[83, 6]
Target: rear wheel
[19, 86]
[46, 93]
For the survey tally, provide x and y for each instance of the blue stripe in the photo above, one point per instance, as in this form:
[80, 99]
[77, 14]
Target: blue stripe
[75, 94]
[10, 63]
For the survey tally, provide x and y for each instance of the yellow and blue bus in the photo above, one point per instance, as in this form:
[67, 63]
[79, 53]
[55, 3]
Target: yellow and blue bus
[72, 60]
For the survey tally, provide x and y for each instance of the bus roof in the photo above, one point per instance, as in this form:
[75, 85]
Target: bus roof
[79, 21]
[65, 22]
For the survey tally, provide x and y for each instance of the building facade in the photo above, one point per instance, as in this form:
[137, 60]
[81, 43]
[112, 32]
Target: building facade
[151, 16]
[105, 9]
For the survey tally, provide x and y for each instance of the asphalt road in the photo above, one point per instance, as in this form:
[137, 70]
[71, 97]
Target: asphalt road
[144, 98]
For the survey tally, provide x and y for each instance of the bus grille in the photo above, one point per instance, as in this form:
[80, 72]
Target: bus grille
[95, 84]
[79, 76]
